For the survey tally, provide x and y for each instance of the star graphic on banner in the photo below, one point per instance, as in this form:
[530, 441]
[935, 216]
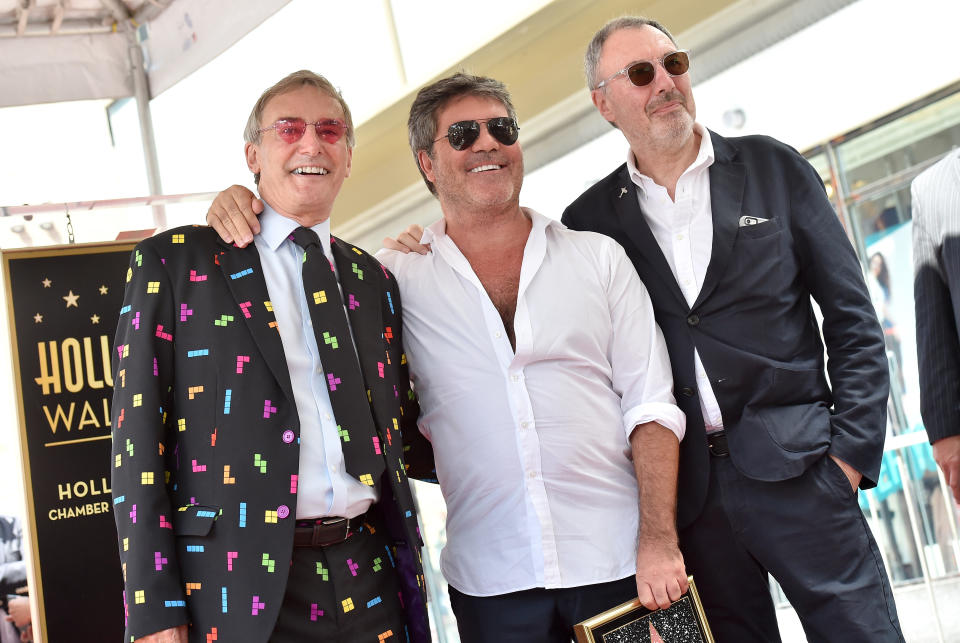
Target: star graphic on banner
[38, 318]
[103, 290]
[46, 283]
[95, 319]
[71, 299]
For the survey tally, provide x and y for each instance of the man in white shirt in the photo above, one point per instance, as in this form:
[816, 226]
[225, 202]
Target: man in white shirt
[733, 237]
[544, 387]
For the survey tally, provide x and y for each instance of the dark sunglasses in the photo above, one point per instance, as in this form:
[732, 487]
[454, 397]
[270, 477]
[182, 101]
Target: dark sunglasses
[291, 130]
[462, 134]
[643, 72]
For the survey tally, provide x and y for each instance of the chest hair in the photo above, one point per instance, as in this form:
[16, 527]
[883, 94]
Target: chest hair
[500, 277]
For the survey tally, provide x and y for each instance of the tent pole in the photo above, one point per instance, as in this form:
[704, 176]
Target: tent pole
[141, 91]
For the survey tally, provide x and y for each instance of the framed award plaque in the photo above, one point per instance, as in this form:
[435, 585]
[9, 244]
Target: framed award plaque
[682, 622]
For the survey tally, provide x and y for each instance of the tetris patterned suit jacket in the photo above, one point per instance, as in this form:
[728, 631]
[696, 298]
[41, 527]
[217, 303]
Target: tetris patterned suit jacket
[206, 435]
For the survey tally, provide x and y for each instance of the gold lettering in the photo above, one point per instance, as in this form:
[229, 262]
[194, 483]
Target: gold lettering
[87, 416]
[63, 490]
[49, 377]
[72, 377]
[59, 415]
[106, 410]
[92, 380]
[105, 356]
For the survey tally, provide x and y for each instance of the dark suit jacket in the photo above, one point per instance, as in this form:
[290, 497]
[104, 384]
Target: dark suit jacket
[936, 252]
[753, 323]
[206, 435]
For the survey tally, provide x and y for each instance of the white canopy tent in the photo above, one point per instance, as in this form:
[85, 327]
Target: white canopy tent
[64, 50]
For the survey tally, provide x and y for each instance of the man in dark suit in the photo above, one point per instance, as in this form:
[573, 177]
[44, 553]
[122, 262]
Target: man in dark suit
[733, 237]
[259, 481]
[936, 253]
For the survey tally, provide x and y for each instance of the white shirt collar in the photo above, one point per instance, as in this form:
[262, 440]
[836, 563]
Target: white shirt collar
[438, 229]
[276, 228]
[705, 158]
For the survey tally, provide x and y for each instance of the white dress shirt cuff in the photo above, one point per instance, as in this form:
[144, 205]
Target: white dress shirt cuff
[667, 415]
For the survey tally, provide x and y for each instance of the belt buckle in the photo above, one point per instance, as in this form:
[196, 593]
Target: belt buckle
[321, 526]
[717, 444]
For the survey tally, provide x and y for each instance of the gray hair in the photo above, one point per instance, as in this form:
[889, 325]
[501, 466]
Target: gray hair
[293, 82]
[591, 60]
[422, 124]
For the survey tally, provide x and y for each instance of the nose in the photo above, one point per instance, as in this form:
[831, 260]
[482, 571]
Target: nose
[485, 142]
[662, 81]
[311, 143]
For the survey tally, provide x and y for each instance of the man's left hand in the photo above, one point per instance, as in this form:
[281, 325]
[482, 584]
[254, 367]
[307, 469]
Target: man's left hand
[661, 575]
[19, 611]
[946, 451]
[852, 474]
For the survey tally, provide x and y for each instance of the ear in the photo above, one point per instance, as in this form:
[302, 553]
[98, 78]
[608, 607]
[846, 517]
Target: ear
[252, 152]
[599, 98]
[426, 164]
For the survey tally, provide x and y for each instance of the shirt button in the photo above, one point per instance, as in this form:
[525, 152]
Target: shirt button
[524, 425]
[320, 371]
[288, 436]
[283, 511]
[499, 334]
[679, 237]
[514, 378]
[533, 474]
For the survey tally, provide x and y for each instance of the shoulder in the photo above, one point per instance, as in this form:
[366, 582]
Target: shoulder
[362, 258]
[599, 191]
[754, 147]
[184, 239]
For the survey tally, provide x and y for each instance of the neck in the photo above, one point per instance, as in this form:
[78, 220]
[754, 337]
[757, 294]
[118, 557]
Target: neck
[489, 229]
[663, 163]
[306, 217]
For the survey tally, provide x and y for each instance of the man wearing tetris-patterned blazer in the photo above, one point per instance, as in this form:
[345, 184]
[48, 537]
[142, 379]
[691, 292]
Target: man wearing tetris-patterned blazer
[261, 412]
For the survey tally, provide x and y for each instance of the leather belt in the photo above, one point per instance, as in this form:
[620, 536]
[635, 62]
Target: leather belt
[717, 444]
[325, 531]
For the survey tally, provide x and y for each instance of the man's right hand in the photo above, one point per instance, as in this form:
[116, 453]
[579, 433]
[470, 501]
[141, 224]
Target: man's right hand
[173, 635]
[407, 241]
[946, 451]
[233, 214]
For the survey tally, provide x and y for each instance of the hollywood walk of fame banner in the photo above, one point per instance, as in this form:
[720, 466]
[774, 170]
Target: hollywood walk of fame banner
[683, 622]
[63, 303]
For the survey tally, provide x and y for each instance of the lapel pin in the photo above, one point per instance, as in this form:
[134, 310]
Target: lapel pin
[623, 191]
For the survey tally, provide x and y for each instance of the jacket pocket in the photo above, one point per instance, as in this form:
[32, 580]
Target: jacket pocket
[195, 520]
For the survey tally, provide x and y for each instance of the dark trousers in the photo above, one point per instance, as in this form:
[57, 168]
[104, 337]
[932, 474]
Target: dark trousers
[535, 615]
[343, 593]
[809, 533]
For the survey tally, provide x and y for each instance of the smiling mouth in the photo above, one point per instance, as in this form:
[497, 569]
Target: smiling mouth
[485, 168]
[310, 170]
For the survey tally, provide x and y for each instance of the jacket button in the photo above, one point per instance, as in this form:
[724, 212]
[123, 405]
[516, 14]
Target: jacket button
[283, 511]
[288, 436]
[693, 320]
[686, 391]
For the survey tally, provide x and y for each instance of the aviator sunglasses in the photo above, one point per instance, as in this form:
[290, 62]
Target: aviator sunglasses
[291, 130]
[462, 134]
[643, 72]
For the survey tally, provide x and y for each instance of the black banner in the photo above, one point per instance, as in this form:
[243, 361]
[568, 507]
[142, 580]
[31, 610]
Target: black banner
[63, 304]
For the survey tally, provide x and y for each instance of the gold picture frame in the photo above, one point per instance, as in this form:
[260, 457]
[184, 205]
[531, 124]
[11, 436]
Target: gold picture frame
[683, 622]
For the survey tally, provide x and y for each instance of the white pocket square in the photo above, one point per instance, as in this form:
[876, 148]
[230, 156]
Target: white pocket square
[745, 221]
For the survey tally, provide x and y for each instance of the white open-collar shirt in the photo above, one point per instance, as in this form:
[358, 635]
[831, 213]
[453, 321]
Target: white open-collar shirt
[683, 227]
[532, 446]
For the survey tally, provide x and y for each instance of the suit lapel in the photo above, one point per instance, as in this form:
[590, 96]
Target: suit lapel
[727, 179]
[244, 275]
[634, 223]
